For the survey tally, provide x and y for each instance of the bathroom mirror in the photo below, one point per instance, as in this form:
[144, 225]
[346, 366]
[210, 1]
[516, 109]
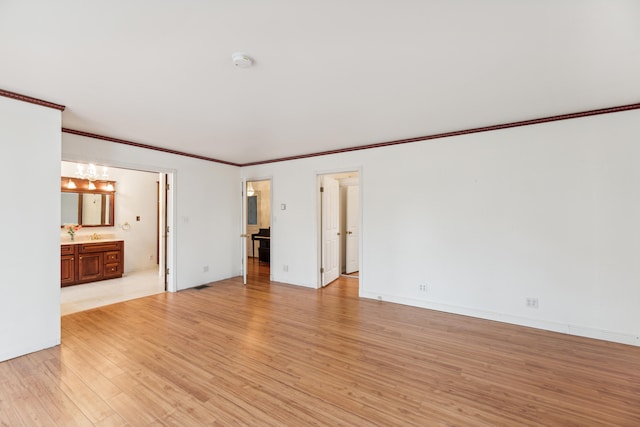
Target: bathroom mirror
[90, 204]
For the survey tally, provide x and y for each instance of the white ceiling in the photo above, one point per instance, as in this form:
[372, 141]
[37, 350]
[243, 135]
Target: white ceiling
[328, 74]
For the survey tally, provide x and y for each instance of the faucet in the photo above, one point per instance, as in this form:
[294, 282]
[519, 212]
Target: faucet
[95, 236]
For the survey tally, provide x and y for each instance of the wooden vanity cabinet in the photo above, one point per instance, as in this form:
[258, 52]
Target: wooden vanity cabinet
[91, 262]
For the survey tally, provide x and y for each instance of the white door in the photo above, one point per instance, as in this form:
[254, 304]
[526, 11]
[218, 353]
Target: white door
[243, 231]
[170, 245]
[353, 229]
[330, 230]
[163, 229]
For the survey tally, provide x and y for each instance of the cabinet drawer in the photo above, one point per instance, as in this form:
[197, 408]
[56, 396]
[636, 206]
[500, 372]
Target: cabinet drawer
[86, 248]
[112, 257]
[112, 270]
[66, 250]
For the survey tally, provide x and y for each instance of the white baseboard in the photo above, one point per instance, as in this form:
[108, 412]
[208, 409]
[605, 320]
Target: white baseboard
[546, 325]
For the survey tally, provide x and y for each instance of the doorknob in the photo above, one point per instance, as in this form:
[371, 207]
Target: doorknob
[338, 234]
[349, 232]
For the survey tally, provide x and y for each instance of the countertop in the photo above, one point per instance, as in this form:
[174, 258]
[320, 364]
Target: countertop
[87, 240]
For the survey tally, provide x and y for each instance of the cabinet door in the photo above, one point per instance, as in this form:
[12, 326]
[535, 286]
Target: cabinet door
[90, 267]
[67, 270]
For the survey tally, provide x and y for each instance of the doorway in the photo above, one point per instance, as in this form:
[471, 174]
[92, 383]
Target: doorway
[339, 226]
[143, 210]
[257, 227]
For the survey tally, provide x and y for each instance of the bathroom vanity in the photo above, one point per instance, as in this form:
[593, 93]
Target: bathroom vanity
[83, 262]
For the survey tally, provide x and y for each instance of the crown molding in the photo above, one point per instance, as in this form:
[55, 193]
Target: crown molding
[31, 100]
[149, 147]
[457, 133]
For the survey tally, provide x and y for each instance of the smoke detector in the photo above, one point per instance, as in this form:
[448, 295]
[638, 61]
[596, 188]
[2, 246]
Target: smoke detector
[242, 60]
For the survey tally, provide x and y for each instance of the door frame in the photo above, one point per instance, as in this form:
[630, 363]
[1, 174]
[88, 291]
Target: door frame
[243, 230]
[243, 223]
[318, 221]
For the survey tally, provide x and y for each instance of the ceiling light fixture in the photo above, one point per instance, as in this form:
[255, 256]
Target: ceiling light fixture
[87, 176]
[91, 173]
[242, 60]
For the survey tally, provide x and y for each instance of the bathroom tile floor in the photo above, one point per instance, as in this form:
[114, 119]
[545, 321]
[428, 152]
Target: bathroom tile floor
[97, 294]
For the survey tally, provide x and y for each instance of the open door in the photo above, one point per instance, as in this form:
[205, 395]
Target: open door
[171, 283]
[163, 227]
[243, 231]
[352, 229]
[330, 201]
[165, 231]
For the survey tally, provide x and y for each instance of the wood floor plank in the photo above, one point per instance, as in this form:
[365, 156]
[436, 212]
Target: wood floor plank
[85, 395]
[43, 384]
[24, 407]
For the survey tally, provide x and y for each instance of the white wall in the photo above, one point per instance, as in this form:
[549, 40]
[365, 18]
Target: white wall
[135, 196]
[487, 220]
[207, 199]
[30, 262]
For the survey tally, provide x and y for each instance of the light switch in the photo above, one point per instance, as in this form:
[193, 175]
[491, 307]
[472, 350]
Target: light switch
[283, 207]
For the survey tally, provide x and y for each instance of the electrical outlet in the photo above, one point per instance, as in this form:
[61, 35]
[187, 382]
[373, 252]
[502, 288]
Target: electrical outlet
[285, 268]
[205, 269]
[422, 287]
[532, 302]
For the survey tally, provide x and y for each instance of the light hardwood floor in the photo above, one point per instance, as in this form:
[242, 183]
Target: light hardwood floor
[273, 354]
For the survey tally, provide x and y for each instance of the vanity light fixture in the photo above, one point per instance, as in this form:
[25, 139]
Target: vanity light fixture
[250, 190]
[70, 184]
[109, 186]
[92, 186]
[91, 172]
